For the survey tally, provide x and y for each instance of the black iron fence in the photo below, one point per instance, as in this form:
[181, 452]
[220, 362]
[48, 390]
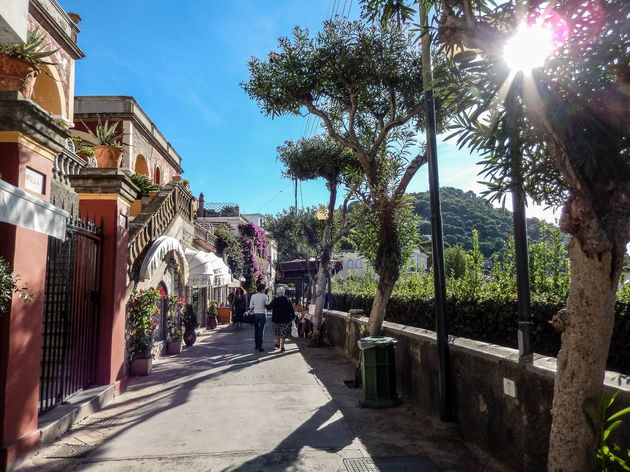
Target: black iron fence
[70, 313]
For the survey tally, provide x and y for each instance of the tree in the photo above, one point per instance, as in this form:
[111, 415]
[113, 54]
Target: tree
[365, 231]
[568, 123]
[296, 232]
[314, 158]
[365, 83]
[455, 261]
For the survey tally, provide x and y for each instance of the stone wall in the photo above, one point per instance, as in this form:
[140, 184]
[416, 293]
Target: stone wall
[64, 197]
[514, 429]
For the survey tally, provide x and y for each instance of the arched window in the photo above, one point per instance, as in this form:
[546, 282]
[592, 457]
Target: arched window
[48, 91]
[358, 264]
[157, 177]
[141, 167]
[350, 264]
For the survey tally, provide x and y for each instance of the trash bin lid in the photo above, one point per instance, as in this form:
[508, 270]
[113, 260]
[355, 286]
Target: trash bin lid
[376, 340]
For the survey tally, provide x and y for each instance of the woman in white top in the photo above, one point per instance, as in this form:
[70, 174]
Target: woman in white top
[258, 302]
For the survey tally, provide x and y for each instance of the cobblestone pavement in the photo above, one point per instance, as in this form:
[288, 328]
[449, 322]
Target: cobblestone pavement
[221, 406]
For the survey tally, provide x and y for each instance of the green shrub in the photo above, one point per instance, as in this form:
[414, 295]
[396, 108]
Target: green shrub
[143, 183]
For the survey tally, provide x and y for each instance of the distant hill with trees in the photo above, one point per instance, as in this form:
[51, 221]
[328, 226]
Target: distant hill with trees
[464, 211]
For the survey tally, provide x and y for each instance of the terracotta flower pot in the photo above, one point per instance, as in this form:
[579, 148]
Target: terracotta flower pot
[141, 366]
[174, 347]
[17, 74]
[136, 207]
[108, 156]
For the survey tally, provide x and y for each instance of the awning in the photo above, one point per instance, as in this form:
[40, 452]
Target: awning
[207, 269]
[159, 249]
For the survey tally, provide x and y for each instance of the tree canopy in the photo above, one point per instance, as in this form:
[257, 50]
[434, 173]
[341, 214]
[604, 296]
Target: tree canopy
[364, 81]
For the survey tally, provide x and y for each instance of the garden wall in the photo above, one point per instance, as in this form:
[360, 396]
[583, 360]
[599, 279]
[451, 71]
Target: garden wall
[514, 429]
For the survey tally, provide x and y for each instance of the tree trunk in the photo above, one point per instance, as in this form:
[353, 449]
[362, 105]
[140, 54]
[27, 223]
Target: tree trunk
[377, 313]
[386, 265]
[586, 324]
[323, 274]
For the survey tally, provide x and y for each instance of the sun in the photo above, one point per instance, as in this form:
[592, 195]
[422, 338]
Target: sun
[529, 47]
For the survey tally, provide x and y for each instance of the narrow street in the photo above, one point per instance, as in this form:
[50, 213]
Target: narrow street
[221, 406]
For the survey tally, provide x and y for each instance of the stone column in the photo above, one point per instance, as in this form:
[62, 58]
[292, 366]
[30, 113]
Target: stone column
[29, 141]
[106, 195]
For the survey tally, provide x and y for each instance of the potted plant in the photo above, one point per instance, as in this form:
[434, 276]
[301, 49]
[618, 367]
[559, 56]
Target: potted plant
[212, 315]
[20, 64]
[146, 186]
[189, 320]
[175, 329]
[142, 320]
[86, 152]
[108, 148]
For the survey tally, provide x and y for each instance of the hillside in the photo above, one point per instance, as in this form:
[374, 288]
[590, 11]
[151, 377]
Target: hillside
[464, 211]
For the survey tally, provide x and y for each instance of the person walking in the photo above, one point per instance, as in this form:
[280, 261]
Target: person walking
[257, 302]
[281, 316]
[239, 306]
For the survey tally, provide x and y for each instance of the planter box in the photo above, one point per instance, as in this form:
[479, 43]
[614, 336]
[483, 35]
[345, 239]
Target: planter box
[141, 366]
[225, 315]
[174, 347]
[136, 207]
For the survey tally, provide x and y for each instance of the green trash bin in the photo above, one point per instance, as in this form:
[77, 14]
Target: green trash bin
[378, 372]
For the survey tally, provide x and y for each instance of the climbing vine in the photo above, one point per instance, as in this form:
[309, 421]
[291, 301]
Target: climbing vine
[255, 252]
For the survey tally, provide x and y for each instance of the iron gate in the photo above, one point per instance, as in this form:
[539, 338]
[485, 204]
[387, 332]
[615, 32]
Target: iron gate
[70, 313]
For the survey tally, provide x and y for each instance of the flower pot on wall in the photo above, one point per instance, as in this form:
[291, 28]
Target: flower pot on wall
[108, 156]
[141, 366]
[174, 347]
[17, 74]
[136, 207]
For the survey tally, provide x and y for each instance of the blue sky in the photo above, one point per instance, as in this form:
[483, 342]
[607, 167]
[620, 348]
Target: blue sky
[183, 62]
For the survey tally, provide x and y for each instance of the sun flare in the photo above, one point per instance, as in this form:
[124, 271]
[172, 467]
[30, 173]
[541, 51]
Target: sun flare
[529, 47]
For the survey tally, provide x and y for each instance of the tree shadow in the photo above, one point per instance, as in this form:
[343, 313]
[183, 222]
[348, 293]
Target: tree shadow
[314, 433]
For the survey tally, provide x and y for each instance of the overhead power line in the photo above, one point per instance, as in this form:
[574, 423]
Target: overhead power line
[273, 198]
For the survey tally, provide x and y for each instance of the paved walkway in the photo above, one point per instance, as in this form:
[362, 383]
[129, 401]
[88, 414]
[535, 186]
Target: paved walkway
[220, 406]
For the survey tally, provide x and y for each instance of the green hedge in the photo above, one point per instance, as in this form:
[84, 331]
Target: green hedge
[494, 322]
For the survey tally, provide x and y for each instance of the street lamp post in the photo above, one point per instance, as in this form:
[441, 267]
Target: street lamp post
[519, 219]
[526, 50]
[439, 279]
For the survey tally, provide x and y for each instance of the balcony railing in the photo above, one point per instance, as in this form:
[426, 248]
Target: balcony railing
[174, 199]
[67, 163]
